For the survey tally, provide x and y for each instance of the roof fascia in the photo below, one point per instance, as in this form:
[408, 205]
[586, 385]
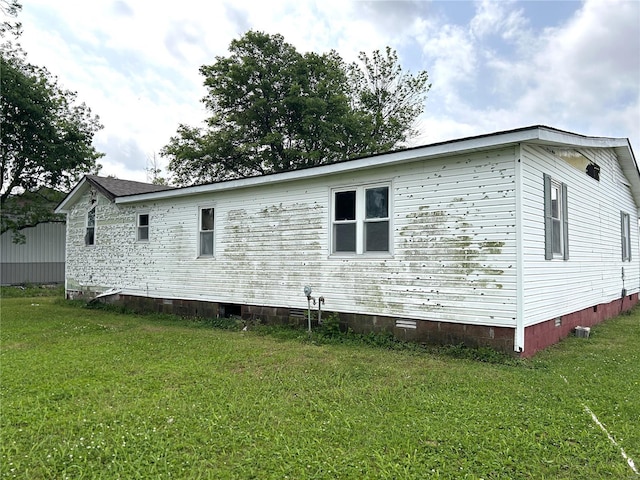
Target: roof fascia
[537, 135]
[402, 156]
[629, 167]
[79, 189]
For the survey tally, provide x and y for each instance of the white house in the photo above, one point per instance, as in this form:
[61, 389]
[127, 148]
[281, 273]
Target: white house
[510, 239]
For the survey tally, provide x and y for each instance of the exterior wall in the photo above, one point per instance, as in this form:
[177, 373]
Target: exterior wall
[543, 334]
[425, 332]
[593, 273]
[453, 256]
[39, 260]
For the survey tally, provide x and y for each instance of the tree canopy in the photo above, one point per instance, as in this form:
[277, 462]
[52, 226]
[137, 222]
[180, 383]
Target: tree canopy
[274, 109]
[46, 137]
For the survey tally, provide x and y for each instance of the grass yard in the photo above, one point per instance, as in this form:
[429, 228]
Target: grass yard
[96, 394]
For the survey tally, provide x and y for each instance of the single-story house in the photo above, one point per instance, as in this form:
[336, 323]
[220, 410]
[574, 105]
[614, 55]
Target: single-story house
[39, 259]
[508, 240]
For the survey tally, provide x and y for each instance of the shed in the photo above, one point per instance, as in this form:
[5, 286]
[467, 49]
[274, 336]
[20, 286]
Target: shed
[39, 259]
[509, 240]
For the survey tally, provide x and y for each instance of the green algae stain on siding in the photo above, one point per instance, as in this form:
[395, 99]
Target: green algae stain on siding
[441, 248]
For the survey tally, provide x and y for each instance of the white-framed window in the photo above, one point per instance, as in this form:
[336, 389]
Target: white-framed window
[205, 231]
[625, 233]
[90, 230]
[142, 227]
[556, 224]
[360, 219]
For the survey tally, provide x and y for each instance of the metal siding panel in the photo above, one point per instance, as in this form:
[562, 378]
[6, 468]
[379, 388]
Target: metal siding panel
[29, 262]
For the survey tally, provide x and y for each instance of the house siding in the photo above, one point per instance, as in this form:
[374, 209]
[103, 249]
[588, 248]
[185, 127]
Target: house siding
[593, 273]
[453, 245]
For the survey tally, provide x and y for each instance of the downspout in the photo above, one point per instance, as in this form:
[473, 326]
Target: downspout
[518, 344]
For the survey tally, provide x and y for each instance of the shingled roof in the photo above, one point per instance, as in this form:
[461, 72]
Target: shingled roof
[114, 187]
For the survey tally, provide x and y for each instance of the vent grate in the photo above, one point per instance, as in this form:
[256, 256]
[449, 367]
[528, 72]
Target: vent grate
[297, 313]
[410, 324]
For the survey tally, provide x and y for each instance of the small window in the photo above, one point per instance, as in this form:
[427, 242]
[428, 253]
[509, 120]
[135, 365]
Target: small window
[625, 232]
[556, 223]
[90, 232]
[143, 227]
[206, 232]
[360, 222]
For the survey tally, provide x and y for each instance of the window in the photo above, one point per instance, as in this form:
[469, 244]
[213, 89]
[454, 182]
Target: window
[555, 219]
[360, 220]
[143, 227]
[90, 232]
[206, 232]
[625, 231]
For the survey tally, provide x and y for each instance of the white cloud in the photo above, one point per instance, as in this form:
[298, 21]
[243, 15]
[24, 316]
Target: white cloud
[136, 63]
[498, 18]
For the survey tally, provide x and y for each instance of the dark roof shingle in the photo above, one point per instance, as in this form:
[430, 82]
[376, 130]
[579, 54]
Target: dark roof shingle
[114, 187]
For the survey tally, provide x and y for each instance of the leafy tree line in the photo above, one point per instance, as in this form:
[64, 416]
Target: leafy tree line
[271, 109]
[274, 109]
[46, 135]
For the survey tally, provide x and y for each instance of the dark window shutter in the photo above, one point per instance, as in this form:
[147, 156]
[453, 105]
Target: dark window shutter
[548, 223]
[565, 222]
[622, 244]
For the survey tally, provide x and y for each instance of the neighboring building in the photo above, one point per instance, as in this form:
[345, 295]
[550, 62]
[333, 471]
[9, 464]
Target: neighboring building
[509, 240]
[38, 260]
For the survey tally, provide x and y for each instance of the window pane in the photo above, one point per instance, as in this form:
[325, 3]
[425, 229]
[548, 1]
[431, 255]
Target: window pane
[344, 237]
[556, 236]
[89, 236]
[206, 219]
[345, 207]
[91, 217]
[206, 243]
[143, 220]
[377, 202]
[143, 233]
[555, 211]
[376, 236]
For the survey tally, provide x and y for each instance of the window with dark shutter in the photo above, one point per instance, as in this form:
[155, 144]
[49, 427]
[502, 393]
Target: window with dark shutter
[556, 225]
[625, 234]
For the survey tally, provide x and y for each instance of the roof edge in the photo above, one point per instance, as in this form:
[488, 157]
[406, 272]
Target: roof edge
[536, 134]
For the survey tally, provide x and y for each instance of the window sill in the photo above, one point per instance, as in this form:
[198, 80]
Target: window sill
[361, 256]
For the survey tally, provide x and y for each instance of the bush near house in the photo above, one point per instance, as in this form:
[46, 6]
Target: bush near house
[91, 393]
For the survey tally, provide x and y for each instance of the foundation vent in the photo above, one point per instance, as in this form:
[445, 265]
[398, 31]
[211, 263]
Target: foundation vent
[410, 324]
[297, 313]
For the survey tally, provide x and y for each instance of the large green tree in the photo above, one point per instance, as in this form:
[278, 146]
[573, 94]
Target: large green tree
[46, 138]
[390, 99]
[274, 109]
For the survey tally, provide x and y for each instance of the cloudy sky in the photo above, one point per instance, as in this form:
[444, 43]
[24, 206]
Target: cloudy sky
[493, 65]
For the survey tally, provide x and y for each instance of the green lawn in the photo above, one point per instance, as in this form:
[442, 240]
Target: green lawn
[97, 394]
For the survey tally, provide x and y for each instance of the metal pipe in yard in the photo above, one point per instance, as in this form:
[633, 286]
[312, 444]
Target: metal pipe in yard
[320, 302]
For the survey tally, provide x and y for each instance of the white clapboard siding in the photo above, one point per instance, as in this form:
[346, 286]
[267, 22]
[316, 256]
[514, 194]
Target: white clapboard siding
[592, 274]
[453, 234]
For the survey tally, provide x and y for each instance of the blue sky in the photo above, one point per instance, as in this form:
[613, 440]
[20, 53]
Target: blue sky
[493, 65]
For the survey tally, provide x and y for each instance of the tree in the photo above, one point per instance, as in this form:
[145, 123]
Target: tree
[390, 98]
[154, 171]
[274, 109]
[45, 138]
